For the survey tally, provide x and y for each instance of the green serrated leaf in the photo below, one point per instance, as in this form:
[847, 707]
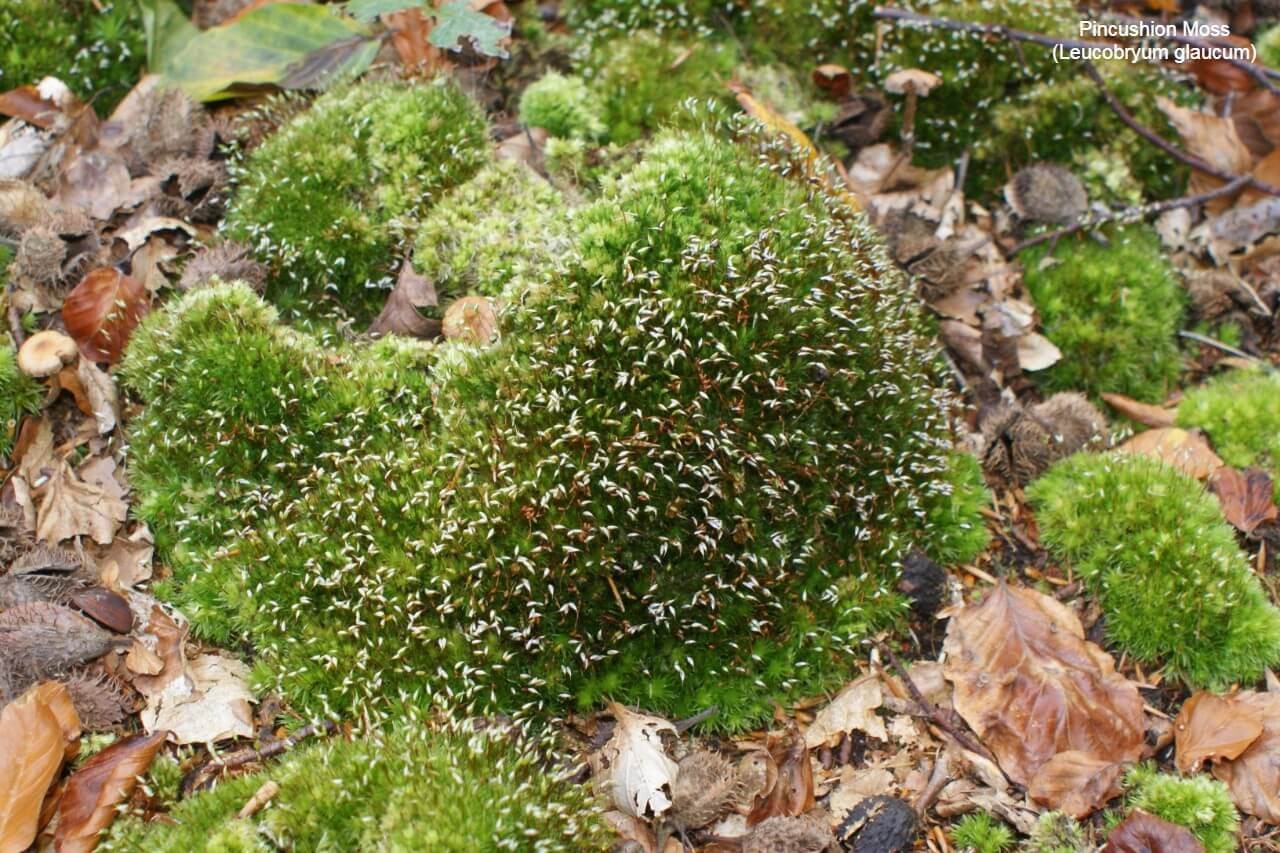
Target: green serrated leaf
[369, 10]
[457, 20]
[290, 45]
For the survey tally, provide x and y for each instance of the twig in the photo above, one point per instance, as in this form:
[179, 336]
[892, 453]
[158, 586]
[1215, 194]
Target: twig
[1133, 214]
[930, 711]
[1218, 345]
[15, 319]
[684, 725]
[938, 779]
[201, 775]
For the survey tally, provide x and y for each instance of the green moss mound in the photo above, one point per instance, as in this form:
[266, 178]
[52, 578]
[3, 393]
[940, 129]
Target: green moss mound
[505, 230]
[683, 478]
[412, 788]
[1240, 410]
[979, 832]
[97, 50]
[1151, 543]
[19, 395]
[1269, 46]
[1113, 310]
[562, 106]
[329, 198]
[1201, 804]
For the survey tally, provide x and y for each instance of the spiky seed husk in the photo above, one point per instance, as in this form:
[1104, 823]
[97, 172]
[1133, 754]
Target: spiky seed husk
[45, 559]
[1047, 192]
[25, 589]
[100, 700]
[39, 256]
[1019, 444]
[22, 206]
[227, 261]
[806, 833]
[42, 639]
[704, 790]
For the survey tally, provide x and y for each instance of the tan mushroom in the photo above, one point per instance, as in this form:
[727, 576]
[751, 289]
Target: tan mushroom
[914, 83]
[45, 353]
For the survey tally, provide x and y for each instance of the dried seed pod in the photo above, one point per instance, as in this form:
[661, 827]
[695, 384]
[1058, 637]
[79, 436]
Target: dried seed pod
[16, 590]
[806, 833]
[50, 559]
[229, 261]
[1046, 192]
[39, 256]
[1076, 423]
[99, 699]
[22, 206]
[43, 639]
[1020, 444]
[878, 824]
[704, 790]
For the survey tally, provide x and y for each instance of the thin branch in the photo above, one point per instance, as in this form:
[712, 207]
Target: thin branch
[930, 711]
[203, 775]
[1133, 214]
[1218, 345]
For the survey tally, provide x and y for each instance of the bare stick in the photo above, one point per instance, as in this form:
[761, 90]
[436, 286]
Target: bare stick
[930, 711]
[201, 776]
[1216, 344]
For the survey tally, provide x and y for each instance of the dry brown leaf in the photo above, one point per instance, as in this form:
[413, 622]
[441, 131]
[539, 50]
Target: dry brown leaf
[162, 639]
[630, 828]
[1212, 728]
[1254, 776]
[126, 562]
[1139, 412]
[1031, 686]
[72, 507]
[471, 319]
[853, 709]
[1211, 138]
[210, 702]
[1076, 783]
[26, 103]
[1246, 496]
[400, 315]
[98, 183]
[634, 763]
[1145, 833]
[102, 311]
[36, 731]
[1181, 449]
[792, 790]
[104, 781]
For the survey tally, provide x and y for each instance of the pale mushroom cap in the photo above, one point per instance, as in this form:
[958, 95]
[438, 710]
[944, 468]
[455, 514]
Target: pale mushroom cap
[908, 79]
[45, 353]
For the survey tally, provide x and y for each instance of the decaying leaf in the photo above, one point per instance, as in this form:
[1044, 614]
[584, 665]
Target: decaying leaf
[210, 702]
[104, 781]
[1254, 776]
[471, 319]
[1246, 496]
[102, 311]
[792, 790]
[1141, 832]
[853, 708]
[1178, 447]
[1076, 783]
[1031, 686]
[1139, 412]
[634, 764]
[36, 732]
[1211, 138]
[70, 507]
[1212, 728]
[400, 315]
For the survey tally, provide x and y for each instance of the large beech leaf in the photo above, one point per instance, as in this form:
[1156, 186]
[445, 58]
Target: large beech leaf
[635, 763]
[104, 781]
[1031, 686]
[457, 21]
[1076, 783]
[1246, 496]
[36, 732]
[102, 311]
[1254, 777]
[1145, 833]
[292, 45]
[1211, 728]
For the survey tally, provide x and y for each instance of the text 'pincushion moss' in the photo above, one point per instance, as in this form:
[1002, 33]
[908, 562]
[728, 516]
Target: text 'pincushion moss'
[682, 478]
[327, 200]
[1152, 544]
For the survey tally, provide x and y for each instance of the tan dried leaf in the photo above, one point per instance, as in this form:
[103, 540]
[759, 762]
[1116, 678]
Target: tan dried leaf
[209, 703]
[1076, 783]
[471, 319]
[1246, 496]
[95, 790]
[792, 791]
[71, 507]
[1211, 138]
[1139, 412]
[853, 709]
[1254, 776]
[399, 316]
[36, 731]
[634, 763]
[1179, 448]
[1031, 686]
[1212, 728]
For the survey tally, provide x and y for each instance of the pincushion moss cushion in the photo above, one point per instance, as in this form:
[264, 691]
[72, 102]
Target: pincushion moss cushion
[683, 477]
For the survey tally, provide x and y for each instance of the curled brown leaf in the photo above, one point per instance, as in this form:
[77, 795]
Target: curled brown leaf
[1141, 832]
[1210, 728]
[104, 781]
[1246, 496]
[102, 311]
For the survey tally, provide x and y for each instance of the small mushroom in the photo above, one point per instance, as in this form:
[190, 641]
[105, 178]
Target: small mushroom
[45, 353]
[914, 83]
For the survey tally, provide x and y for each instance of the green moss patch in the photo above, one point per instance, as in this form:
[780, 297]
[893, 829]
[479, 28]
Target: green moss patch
[1240, 411]
[19, 395]
[1151, 543]
[1199, 803]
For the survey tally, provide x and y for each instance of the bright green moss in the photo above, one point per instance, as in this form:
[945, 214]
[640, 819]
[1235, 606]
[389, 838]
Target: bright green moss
[411, 789]
[1240, 410]
[1056, 832]
[1200, 803]
[961, 534]
[97, 50]
[505, 229]
[1269, 47]
[19, 395]
[562, 106]
[979, 832]
[1151, 543]
[684, 476]
[329, 198]
[1114, 311]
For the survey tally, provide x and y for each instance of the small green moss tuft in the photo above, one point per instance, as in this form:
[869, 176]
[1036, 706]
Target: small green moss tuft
[979, 832]
[504, 230]
[1200, 803]
[562, 106]
[1056, 832]
[19, 395]
[412, 788]
[1269, 46]
[962, 535]
[327, 199]
[1240, 411]
[1114, 311]
[1151, 543]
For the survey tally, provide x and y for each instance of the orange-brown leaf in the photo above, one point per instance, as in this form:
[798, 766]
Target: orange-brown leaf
[36, 732]
[1254, 777]
[792, 792]
[102, 311]
[1145, 833]
[1246, 496]
[1209, 728]
[1031, 686]
[1181, 449]
[93, 792]
[1139, 412]
[1076, 783]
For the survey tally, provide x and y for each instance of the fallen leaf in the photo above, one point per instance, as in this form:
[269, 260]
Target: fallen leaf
[399, 316]
[471, 319]
[1030, 685]
[1211, 138]
[458, 24]
[163, 638]
[631, 828]
[1145, 833]
[94, 391]
[36, 731]
[210, 702]
[98, 183]
[101, 784]
[71, 507]
[1036, 352]
[126, 562]
[853, 709]
[1212, 728]
[855, 785]
[778, 124]
[1076, 783]
[1179, 448]
[1139, 412]
[1246, 496]
[102, 311]
[26, 103]
[792, 791]
[1253, 777]
[634, 764]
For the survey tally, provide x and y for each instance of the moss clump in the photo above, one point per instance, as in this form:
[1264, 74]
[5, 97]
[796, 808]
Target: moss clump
[505, 229]
[97, 50]
[1269, 47]
[1113, 310]
[328, 198]
[979, 832]
[961, 535]
[1240, 410]
[19, 395]
[412, 788]
[1201, 804]
[683, 478]
[562, 106]
[1151, 543]
[1056, 832]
